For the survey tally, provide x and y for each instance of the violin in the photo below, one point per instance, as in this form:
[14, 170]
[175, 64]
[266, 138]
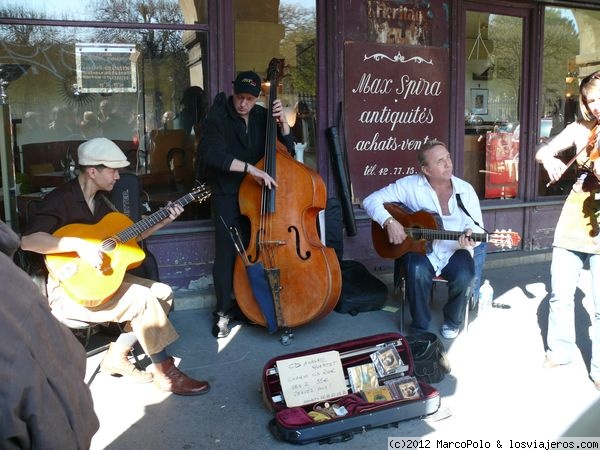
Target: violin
[590, 180]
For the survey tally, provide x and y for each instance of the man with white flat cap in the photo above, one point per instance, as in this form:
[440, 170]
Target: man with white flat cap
[142, 303]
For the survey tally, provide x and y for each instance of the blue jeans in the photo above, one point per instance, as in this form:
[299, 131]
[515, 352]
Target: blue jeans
[565, 269]
[479, 255]
[419, 274]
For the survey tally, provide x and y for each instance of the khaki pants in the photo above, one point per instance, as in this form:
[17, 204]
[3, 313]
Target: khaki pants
[141, 302]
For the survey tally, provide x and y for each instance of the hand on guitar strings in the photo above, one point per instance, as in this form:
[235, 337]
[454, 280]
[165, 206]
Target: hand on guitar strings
[175, 209]
[395, 231]
[90, 253]
[465, 241]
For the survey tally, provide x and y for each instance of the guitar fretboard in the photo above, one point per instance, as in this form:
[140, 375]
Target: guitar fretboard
[430, 234]
[139, 227]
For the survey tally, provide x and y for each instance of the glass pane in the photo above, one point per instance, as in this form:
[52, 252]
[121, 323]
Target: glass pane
[564, 61]
[283, 29]
[136, 88]
[137, 11]
[492, 92]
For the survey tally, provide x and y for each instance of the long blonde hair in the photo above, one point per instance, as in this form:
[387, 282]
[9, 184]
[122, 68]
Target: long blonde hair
[589, 85]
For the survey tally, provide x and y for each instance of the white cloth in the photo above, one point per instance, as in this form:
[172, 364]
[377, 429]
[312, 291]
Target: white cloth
[416, 194]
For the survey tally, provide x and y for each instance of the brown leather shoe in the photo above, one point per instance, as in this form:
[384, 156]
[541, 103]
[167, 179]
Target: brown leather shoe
[116, 363]
[169, 378]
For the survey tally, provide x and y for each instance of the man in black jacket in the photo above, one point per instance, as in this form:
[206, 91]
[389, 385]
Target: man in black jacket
[233, 140]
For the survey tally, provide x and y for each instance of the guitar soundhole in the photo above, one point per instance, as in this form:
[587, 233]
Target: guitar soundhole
[109, 245]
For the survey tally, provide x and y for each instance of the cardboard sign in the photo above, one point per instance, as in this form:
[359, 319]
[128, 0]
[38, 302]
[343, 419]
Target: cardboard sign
[311, 378]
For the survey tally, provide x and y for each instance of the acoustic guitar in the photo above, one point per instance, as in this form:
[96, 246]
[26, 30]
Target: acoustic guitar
[115, 236]
[422, 227]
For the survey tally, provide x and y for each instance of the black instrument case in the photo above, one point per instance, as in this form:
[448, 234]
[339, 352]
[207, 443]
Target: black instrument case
[296, 426]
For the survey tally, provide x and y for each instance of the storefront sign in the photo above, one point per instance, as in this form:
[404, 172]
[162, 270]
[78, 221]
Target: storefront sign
[106, 68]
[396, 98]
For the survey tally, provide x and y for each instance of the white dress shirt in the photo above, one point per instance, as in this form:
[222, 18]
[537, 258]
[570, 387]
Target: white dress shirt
[415, 192]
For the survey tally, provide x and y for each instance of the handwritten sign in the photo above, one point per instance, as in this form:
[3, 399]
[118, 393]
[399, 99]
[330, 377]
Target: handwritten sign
[106, 68]
[311, 378]
[396, 98]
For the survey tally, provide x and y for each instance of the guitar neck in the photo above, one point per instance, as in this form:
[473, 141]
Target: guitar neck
[139, 227]
[430, 234]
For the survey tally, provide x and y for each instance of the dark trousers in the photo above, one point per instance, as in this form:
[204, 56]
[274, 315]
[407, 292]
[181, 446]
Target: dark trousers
[419, 274]
[226, 206]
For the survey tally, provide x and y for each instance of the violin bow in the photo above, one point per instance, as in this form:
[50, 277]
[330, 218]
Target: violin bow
[590, 145]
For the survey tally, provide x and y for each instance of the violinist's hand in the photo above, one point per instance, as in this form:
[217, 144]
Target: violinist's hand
[395, 231]
[261, 177]
[555, 167]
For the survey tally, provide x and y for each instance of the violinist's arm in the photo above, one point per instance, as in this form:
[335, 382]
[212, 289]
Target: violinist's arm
[547, 153]
[554, 166]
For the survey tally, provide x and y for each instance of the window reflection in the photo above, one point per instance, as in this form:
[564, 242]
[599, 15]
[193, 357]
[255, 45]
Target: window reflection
[166, 11]
[283, 29]
[563, 68]
[492, 92]
[63, 98]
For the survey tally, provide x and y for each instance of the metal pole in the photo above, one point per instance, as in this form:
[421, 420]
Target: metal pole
[8, 169]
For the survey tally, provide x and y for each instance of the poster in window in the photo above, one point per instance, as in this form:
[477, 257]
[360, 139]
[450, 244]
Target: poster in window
[501, 165]
[479, 101]
[106, 68]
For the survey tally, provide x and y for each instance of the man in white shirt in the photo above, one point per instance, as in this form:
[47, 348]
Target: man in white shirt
[434, 189]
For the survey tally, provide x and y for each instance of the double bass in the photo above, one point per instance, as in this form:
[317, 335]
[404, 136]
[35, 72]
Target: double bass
[304, 276]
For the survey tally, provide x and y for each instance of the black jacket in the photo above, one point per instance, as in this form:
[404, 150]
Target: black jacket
[224, 139]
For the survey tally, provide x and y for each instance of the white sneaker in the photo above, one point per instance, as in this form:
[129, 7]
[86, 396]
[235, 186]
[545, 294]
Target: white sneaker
[448, 332]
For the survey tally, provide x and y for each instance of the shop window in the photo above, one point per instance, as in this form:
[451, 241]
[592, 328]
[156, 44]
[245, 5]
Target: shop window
[569, 55]
[133, 86]
[492, 98]
[166, 11]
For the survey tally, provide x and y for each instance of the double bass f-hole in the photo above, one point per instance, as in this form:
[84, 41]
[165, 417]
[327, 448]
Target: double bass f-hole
[269, 244]
[297, 240]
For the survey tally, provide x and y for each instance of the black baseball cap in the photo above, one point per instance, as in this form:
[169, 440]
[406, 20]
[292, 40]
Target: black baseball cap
[247, 82]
